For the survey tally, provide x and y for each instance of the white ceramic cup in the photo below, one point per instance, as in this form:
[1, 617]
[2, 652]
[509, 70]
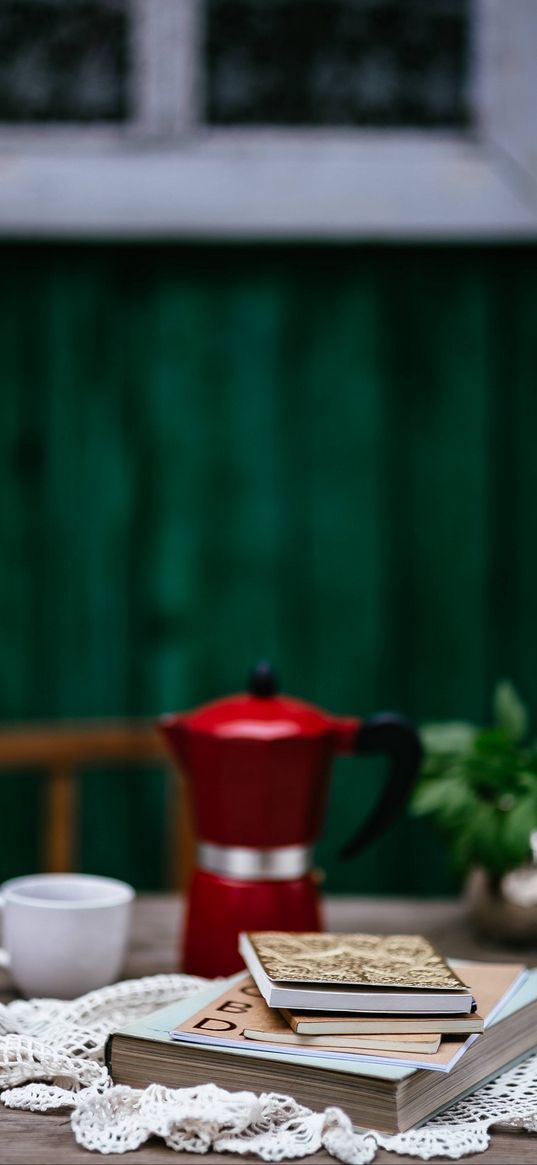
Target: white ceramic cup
[64, 934]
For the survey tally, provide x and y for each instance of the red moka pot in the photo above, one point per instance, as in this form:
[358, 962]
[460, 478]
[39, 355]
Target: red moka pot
[258, 767]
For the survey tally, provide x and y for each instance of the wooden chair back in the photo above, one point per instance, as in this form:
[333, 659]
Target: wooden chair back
[61, 751]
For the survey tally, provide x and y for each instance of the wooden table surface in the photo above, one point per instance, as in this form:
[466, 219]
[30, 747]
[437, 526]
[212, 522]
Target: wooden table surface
[46, 1139]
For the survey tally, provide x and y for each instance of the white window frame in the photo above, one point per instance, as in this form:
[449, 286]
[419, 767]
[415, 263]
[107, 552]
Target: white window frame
[166, 176]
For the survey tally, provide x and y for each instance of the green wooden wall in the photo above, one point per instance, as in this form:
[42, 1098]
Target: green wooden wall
[325, 456]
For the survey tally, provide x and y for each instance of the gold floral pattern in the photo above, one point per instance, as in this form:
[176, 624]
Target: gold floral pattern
[372, 960]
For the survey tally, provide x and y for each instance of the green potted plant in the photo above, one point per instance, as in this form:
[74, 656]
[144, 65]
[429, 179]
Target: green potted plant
[479, 786]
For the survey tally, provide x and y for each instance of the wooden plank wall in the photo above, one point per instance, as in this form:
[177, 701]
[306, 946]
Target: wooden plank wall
[327, 456]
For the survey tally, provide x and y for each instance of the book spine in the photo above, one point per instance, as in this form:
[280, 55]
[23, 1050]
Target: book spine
[108, 1053]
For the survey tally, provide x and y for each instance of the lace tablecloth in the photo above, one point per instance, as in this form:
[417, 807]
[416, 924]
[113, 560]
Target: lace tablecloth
[51, 1057]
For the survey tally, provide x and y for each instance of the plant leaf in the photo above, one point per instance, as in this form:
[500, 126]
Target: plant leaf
[509, 711]
[453, 737]
[479, 785]
[515, 834]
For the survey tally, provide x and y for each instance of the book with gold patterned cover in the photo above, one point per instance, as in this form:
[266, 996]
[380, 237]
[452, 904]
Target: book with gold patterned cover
[361, 972]
[367, 960]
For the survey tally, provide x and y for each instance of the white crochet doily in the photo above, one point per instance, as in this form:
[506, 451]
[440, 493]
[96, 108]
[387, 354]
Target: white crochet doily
[51, 1056]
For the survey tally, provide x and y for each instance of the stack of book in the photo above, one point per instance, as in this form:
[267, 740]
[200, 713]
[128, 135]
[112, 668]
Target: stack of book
[383, 1026]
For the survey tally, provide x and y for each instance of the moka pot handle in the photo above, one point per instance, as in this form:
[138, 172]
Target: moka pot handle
[394, 735]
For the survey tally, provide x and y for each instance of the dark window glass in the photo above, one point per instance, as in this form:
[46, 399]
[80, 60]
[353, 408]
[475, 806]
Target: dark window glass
[63, 60]
[337, 62]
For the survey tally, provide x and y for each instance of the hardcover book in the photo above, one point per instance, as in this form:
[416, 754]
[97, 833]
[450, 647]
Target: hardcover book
[355, 972]
[391, 1098]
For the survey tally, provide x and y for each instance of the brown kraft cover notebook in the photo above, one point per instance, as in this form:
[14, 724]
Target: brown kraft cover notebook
[241, 1009]
[241, 1014]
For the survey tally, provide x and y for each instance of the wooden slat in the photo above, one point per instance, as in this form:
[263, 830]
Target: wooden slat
[60, 820]
[179, 831]
[46, 745]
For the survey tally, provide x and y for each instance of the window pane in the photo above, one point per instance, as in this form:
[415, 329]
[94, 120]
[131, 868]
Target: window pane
[337, 62]
[63, 60]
